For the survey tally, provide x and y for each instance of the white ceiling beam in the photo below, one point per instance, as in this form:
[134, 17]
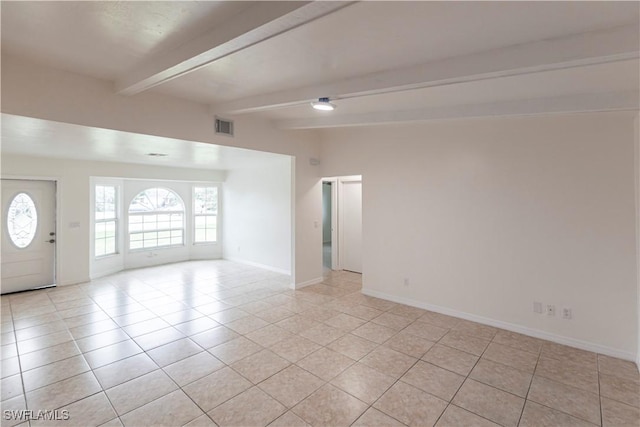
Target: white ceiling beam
[258, 23]
[616, 44]
[583, 103]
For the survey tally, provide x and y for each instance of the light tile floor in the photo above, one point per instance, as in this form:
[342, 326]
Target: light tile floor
[213, 342]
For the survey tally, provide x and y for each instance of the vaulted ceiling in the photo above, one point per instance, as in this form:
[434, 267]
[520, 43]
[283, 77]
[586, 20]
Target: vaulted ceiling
[379, 62]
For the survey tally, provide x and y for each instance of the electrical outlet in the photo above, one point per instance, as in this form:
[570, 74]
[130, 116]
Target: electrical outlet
[537, 307]
[566, 313]
[406, 281]
[551, 310]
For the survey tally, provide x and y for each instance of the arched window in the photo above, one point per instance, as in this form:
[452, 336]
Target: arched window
[156, 219]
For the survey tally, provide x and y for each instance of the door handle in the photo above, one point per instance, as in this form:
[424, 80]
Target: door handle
[50, 241]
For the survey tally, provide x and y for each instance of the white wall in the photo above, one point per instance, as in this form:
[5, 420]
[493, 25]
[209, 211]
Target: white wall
[34, 90]
[487, 216]
[257, 210]
[74, 202]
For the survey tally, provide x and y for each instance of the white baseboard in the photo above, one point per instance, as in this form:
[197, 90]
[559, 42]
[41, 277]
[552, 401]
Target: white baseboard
[106, 272]
[536, 333]
[309, 283]
[72, 282]
[257, 264]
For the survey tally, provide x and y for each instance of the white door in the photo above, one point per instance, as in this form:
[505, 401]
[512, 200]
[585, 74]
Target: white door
[351, 225]
[28, 234]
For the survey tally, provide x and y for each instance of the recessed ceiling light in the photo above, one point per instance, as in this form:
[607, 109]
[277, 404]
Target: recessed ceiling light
[157, 154]
[323, 104]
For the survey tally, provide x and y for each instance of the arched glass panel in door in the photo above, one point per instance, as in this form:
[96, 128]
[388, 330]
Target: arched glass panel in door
[22, 220]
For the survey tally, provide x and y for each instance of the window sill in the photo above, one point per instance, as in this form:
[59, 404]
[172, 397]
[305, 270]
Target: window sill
[155, 248]
[101, 257]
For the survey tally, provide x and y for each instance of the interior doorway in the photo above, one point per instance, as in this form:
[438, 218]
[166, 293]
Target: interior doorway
[327, 225]
[342, 223]
[29, 234]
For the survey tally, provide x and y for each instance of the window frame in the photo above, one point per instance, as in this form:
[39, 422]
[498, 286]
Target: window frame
[156, 213]
[115, 219]
[195, 215]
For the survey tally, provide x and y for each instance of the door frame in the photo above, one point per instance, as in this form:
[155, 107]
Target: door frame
[58, 212]
[335, 226]
[336, 217]
[341, 181]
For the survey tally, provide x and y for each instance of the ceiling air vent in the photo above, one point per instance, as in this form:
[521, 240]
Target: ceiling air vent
[224, 127]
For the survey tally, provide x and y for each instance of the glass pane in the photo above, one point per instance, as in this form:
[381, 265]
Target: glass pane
[150, 222]
[176, 240]
[105, 207]
[99, 247]
[206, 200]
[99, 210]
[99, 194]
[211, 235]
[200, 235]
[110, 245]
[135, 245]
[200, 221]
[150, 218]
[109, 211]
[151, 235]
[164, 242]
[135, 237]
[164, 234]
[100, 230]
[110, 228]
[156, 199]
[22, 220]
[110, 195]
[135, 227]
[152, 243]
[212, 221]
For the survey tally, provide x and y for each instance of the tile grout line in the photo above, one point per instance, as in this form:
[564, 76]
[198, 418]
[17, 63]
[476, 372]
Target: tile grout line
[301, 312]
[465, 380]
[599, 391]
[526, 398]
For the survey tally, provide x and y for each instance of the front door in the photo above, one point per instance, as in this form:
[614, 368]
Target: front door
[28, 234]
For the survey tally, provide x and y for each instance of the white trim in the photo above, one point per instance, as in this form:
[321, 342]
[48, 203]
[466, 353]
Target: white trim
[536, 333]
[249, 27]
[309, 283]
[257, 264]
[106, 272]
[76, 282]
[567, 104]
